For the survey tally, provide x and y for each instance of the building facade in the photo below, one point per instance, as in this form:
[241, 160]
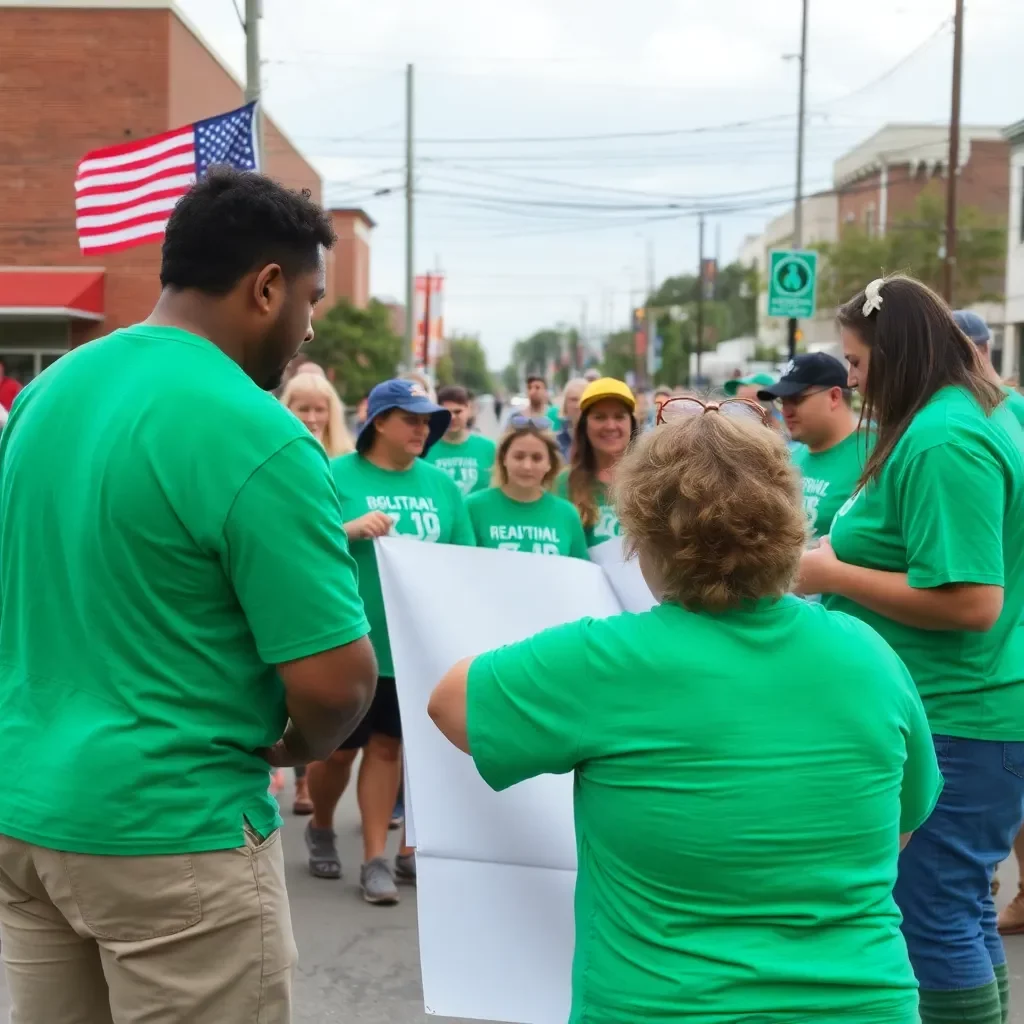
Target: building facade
[78, 75]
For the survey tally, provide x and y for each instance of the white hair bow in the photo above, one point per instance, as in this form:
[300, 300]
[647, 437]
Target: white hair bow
[873, 296]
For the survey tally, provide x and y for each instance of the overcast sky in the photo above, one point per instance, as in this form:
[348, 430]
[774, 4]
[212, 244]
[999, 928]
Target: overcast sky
[530, 233]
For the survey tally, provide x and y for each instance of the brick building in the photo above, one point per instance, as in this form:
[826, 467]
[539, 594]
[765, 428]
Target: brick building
[76, 75]
[881, 179]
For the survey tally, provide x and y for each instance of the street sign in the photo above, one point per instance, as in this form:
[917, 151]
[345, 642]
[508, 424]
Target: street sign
[792, 283]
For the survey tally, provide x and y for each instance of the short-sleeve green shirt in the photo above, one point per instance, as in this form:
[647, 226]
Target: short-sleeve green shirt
[469, 464]
[829, 478]
[548, 526]
[945, 509]
[1015, 403]
[168, 534]
[423, 503]
[607, 525]
[741, 784]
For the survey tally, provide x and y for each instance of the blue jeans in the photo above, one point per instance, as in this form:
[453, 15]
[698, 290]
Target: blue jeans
[945, 873]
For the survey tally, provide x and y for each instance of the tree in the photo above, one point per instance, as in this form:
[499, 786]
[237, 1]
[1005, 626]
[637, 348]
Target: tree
[359, 345]
[510, 379]
[619, 358]
[466, 364]
[913, 245]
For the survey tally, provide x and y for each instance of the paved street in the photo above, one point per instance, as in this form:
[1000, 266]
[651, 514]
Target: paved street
[360, 964]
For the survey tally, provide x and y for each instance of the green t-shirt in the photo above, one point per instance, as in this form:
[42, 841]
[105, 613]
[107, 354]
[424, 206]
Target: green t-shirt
[1015, 403]
[555, 415]
[469, 464]
[829, 478]
[946, 509]
[169, 533]
[607, 525]
[549, 526]
[741, 784]
[423, 502]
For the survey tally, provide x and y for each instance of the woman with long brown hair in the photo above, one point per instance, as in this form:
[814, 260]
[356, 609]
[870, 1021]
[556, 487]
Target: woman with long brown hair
[929, 551]
[606, 426]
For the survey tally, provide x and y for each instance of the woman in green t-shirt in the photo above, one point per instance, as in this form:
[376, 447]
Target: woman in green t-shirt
[745, 762]
[929, 551]
[519, 513]
[606, 426]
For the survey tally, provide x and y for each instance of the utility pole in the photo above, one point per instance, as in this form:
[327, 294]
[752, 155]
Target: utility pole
[581, 344]
[410, 269]
[426, 325]
[700, 291]
[253, 13]
[798, 209]
[647, 378]
[949, 266]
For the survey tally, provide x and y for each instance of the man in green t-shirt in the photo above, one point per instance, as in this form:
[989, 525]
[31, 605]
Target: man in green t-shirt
[179, 614]
[539, 399]
[815, 401]
[385, 489]
[466, 457]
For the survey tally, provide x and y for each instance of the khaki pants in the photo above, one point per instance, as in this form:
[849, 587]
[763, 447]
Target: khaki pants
[198, 939]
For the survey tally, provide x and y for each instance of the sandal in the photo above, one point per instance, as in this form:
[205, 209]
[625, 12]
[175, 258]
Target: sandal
[302, 805]
[324, 861]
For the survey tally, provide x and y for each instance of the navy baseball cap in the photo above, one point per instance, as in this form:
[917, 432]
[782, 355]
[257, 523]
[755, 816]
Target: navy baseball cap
[813, 370]
[973, 326]
[409, 396]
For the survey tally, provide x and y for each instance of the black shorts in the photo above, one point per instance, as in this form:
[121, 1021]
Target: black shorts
[382, 718]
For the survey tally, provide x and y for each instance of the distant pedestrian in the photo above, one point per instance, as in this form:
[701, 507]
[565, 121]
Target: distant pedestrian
[977, 330]
[539, 400]
[195, 622]
[9, 387]
[466, 457]
[571, 395]
[312, 398]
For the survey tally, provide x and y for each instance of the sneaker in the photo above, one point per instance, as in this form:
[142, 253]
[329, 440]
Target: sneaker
[378, 883]
[1011, 917]
[324, 861]
[405, 868]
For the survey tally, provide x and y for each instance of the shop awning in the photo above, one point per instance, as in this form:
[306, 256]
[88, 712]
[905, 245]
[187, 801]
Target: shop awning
[45, 293]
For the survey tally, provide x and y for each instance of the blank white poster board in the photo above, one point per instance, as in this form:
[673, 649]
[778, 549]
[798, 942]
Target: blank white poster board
[495, 870]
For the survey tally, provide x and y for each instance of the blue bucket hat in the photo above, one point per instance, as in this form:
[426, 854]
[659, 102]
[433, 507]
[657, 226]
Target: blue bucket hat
[408, 396]
[973, 326]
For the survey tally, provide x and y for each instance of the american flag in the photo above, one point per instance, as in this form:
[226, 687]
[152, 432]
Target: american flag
[124, 194]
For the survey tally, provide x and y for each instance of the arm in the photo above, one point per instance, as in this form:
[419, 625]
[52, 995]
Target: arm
[369, 526]
[328, 694]
[954, 548]
[300, 599]
[959, 606]
[447, 706]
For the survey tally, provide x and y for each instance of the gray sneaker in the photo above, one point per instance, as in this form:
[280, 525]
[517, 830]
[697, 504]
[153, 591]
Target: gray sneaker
[378, 883]
[405, 868]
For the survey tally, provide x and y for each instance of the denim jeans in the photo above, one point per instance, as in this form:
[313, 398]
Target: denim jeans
[945, 873]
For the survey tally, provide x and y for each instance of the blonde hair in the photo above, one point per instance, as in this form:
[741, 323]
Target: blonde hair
[424, 382]
[715, 506]
[499, 475]
[337, 439]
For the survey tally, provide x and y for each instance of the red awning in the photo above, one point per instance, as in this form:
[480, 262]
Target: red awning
[30, 293]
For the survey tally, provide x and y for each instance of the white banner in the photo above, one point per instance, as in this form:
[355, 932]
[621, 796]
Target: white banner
[496, 871]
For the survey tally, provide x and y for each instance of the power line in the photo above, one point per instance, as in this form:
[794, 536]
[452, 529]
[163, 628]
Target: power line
[238, 14]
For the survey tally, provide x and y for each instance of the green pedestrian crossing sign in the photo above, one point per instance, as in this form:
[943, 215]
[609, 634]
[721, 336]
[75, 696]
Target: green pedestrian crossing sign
[792, 283]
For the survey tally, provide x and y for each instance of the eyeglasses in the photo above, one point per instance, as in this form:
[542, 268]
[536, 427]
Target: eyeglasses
[736, 408]
[519, 421]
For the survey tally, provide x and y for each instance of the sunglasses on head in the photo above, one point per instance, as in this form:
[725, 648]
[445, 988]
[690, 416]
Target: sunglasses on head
[519, 422]
[735, 408]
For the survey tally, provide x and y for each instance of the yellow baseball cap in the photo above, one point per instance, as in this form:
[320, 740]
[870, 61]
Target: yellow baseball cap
[607, 387]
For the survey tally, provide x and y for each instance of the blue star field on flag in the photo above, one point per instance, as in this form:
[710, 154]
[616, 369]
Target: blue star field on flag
[227, 139]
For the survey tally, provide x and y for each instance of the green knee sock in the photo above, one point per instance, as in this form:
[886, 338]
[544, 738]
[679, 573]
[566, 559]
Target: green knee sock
[1003, 981]
[963, 1006]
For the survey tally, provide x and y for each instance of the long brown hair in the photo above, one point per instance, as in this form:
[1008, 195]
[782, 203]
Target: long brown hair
[583, 469]
[916, 350]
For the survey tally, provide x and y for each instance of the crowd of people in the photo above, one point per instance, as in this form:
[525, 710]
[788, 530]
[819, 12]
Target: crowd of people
[796, 775]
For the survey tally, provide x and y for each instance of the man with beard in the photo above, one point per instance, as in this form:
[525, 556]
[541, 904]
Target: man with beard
[178, 613]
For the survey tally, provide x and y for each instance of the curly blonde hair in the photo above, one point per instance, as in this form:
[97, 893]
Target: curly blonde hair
[337, 439]
[714, 506]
